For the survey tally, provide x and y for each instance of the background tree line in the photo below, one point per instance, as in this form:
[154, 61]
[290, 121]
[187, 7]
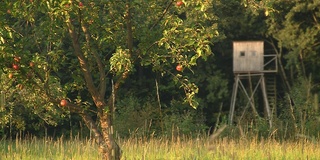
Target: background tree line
[151, 102]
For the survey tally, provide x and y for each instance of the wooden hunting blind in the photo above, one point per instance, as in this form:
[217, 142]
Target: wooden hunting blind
[248, 56]
[249, 64]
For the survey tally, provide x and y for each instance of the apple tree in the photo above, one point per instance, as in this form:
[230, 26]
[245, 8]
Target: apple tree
[70, 50]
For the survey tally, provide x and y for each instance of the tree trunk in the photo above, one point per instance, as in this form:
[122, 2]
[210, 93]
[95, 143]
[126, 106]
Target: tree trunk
[108, 147]
[113, 151]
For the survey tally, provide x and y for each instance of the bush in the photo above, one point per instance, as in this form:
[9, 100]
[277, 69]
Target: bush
[136, 118]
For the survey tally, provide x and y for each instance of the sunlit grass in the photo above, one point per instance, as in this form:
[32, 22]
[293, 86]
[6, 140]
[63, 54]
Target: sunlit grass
[202, 149]
[183, 148]
[48, 149]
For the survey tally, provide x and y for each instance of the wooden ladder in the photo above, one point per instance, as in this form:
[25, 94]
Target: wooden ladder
[271, 85]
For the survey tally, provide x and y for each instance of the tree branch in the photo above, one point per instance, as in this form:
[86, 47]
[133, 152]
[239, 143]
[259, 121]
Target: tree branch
[83, 63]
[102, 84]
[164, 13]
[130, 47]
[129, 28]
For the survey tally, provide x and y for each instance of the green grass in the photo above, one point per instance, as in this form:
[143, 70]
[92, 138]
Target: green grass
[162, 149]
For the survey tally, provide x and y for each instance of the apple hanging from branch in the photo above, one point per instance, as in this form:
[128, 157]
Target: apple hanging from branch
[15, 66]
[179, 3]
[10, 75]
[31, 64]
[179, 67]
[63, 102]
[80, 4]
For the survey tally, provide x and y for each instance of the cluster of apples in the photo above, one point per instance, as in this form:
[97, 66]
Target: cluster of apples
[16, 65]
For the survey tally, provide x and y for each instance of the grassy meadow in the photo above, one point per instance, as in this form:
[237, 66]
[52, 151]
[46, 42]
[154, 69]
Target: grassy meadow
[162, 149]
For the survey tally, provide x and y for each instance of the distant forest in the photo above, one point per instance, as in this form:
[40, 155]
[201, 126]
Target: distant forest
[140, 69]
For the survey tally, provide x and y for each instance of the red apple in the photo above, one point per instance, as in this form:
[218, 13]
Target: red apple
[63, 102]
[179, 3]
[15, 66]
[80, 4]
[179, 67]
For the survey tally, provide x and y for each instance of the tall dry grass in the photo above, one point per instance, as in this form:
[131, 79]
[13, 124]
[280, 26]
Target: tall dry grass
[202, 149]
[177, 148]
[48, 149]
